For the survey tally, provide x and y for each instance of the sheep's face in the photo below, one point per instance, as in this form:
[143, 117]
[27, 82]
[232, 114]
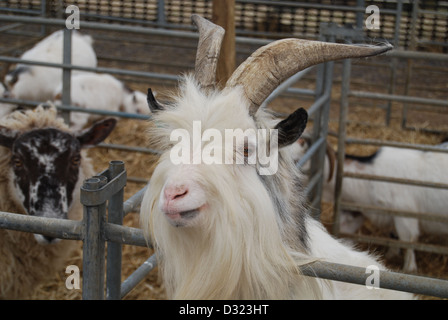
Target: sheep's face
[46, 168]
[214, 153]
[45, 165]
[135, 102]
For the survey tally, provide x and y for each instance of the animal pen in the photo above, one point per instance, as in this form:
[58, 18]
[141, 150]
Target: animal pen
[134, 29]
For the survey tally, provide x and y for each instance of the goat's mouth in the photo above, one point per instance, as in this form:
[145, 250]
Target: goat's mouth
[188, 214]
[183, 218]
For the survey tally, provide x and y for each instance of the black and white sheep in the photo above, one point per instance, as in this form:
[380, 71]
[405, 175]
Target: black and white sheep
[42, 166]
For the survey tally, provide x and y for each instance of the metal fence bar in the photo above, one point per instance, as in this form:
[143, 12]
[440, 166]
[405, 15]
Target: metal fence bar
[324, 119]
[127, 148]
[312, 5]
[310, 152]
[158, 76]
[100, 26]
[375, 142]
[125, 235]
[418, 183]
[399, 98]
[133, 203]
[51, 227]
[388, 279]
[138, 275]
[115, 216]
[94, 245]
[345, 87]
[437, 249]
[78, 109]
[66, 73]
[400, 213]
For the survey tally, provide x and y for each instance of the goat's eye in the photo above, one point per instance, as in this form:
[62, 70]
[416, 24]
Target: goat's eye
[17, 162]
[76, 160]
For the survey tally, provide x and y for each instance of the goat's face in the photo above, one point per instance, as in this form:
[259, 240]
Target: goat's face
[186, 187]
[45, 168]
[206, 164]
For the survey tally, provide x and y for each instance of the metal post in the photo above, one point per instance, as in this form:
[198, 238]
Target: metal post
[161, 19]
[360, 14]
[412, 47]
[138, 275]
[115, 216]
[94, 245]
[324, 118]
[394, 62]
[346, 69]
[316, 116]
[66, 73]
[320, 126]
[43, 14]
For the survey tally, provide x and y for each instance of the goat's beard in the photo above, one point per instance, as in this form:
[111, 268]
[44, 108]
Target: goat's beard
[235, 252]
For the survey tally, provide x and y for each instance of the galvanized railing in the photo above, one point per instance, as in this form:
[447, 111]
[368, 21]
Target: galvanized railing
[340, 205]
[103, 234]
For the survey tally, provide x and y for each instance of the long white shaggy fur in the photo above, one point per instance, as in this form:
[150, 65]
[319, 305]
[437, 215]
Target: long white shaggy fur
[245, 242]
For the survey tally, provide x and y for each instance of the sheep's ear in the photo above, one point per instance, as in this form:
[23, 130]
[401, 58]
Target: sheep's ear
[96, 133]
[154, 106]
[7, 137]
[291, 128]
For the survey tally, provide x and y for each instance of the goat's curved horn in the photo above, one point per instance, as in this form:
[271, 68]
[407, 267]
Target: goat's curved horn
[209, 46]
[270, 65]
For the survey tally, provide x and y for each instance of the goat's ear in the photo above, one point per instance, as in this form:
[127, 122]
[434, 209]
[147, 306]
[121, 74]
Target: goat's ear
[154, 106]
[7, 137]
[291, 128]
[96, 133]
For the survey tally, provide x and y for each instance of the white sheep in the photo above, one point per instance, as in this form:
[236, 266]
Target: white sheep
[37, 83]
[101, 92]
[349, 222]
[42, 169]
[396, 163]
[229, 230]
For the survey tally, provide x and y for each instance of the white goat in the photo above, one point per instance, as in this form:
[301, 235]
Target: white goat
[42, 167]
[234, 231]
[396, 163]
[38, 83]
[102, 92]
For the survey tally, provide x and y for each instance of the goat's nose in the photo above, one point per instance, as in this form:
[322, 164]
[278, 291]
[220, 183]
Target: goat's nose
[173, 193]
